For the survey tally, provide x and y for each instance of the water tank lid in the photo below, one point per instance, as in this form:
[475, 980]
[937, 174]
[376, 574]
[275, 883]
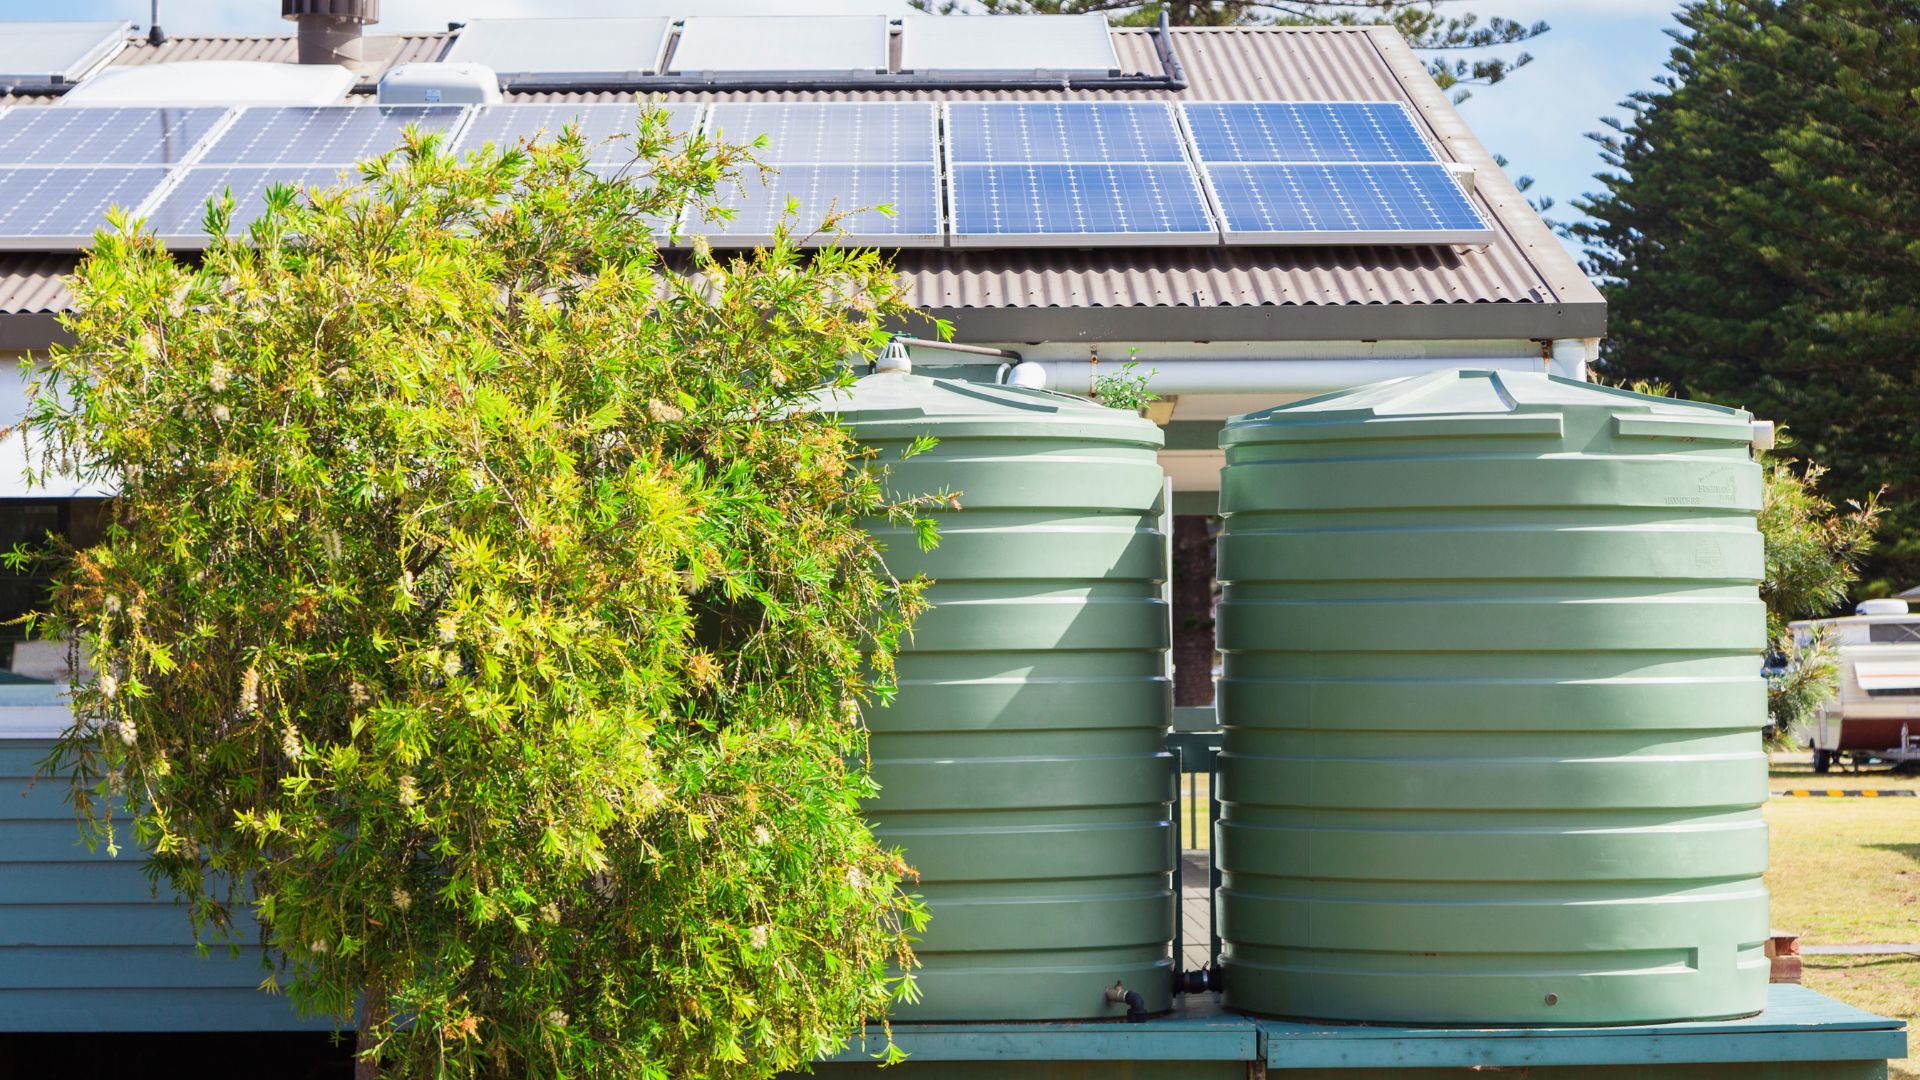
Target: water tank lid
[1881, 607]
[889, 397]
[1469, 392]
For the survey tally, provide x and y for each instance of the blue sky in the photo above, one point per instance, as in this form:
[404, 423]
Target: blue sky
[1598, 52]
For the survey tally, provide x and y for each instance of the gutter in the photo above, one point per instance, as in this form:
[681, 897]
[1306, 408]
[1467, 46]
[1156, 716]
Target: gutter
[1282, 376]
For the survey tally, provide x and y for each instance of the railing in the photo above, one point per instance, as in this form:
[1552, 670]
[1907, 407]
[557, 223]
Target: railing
[1195, 742]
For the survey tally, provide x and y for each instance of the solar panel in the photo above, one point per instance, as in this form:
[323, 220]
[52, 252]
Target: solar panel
[1079, 173]
[782, 43]
[1062, 132]
[54, 53]
[887, 133]
[840, 156]
[1328, 172]
[561, 49]
[103, 136]
[178, 218]
[53, 208]
[1349, 204]
[995, 205]
[911, 191]
[1009, 44]
[323, 134]
[607, 128]
[1306, 131]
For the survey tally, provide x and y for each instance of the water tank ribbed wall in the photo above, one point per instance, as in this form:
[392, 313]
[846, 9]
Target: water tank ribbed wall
[1023, 765]
[1492, 696]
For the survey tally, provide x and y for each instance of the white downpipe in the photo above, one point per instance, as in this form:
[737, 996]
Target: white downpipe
[1261, 376]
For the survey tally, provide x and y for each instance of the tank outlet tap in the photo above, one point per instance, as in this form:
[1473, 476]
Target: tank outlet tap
[1136, 1005]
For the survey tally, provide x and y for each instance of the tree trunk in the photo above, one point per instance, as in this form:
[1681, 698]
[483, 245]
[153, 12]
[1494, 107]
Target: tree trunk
[373, 1008]
[1193, 648]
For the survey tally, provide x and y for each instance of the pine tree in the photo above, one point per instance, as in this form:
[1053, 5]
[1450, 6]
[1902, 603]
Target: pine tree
[1759, 239]
[1426, 24]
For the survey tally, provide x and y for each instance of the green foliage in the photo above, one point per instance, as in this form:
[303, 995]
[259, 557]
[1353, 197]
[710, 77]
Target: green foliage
[483, 611]
[1428, 25]
[1814, 550]
[1760, 236]
[1125, 388]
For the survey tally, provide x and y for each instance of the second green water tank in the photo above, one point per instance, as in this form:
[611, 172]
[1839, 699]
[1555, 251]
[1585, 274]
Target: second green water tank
[1492, 699]
[1023, 764]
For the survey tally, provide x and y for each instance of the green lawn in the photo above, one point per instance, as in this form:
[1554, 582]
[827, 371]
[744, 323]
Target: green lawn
[1847, 871]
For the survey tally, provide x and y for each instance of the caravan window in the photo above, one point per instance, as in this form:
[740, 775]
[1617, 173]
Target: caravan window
[1892, 633]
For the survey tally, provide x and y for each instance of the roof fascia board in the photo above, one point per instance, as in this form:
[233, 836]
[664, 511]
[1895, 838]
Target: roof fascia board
[1512, 211]
[26, 330]
[1332, 322]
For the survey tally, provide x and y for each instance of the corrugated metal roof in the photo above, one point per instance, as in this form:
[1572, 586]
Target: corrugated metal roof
[34, 283]
[1524, 284]
[382, 51]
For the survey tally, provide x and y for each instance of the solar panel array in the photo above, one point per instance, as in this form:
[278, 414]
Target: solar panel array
[833, 157]
[1327, 172]
[1071, 172]
[966, 174]
[606, 128]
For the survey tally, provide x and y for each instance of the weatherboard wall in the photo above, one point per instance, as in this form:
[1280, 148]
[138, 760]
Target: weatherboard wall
[85, 945]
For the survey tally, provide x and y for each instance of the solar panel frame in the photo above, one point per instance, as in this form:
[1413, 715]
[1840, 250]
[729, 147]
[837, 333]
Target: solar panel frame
[1307, 132]
[57, 226]
[105, 134]
[1123, 179]
[80, 46]
[549, 48]
[839, 132]
[761, 207]
[1066, 133]
[923, 166]
[380, 129]
[1067, 158]
[176, 212]
[1211, 171]
[506, 124]
[1332, 207]
[859, 44]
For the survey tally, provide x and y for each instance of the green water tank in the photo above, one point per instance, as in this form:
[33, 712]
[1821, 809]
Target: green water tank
[1023, 765]
[1492, 700]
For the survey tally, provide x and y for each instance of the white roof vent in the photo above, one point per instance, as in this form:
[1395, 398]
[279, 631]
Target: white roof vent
[215, 82]
[1881, 607]
[440, 84]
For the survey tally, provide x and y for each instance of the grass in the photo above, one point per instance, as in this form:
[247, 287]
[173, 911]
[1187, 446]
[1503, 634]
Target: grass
[1847, 871]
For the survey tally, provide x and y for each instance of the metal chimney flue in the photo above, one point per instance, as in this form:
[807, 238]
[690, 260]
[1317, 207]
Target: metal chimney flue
[330, 29]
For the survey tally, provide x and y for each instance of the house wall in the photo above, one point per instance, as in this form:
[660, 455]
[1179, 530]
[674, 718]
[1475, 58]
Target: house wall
[87, 946]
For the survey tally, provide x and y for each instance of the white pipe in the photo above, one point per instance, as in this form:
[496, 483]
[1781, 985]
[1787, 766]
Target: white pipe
[1262, 376]
[1572, 355]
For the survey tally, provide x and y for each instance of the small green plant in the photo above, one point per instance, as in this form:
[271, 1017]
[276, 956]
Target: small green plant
[486, 614]
[1125, 388]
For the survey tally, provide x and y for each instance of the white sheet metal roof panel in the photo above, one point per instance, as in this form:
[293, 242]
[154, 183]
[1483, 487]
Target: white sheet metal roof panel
[58, 52]
[782, 43]
[559, 49]
[1078, 44]
[214, 82]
